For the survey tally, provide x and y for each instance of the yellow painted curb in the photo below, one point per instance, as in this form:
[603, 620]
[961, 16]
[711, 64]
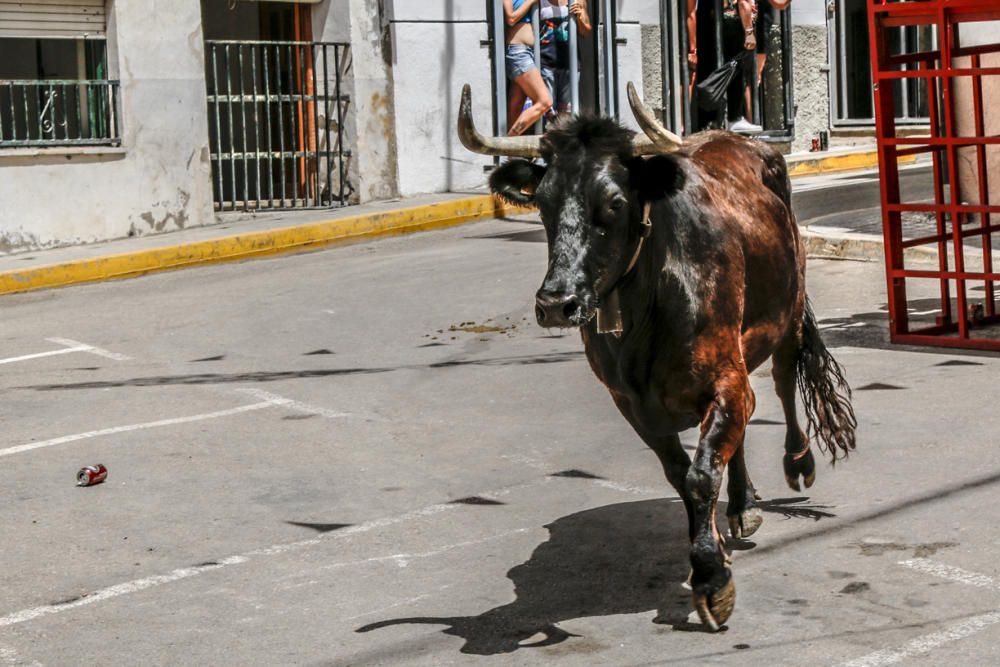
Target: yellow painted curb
[256, 244]
[846, 162]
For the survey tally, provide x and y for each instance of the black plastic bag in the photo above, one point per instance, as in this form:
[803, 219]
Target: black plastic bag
[711, 92]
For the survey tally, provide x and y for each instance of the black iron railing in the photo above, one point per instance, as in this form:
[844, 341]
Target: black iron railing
[276, 115]
[58, 112]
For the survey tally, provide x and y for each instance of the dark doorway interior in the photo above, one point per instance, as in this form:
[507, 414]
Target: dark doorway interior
[273, 97]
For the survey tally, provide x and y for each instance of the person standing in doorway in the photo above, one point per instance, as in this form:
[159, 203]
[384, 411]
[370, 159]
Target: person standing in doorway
[522, 70]
[767, 15]
[738, 35]
[555, 20]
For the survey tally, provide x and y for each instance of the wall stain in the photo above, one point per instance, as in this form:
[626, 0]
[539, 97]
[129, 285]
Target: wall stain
[166, 215]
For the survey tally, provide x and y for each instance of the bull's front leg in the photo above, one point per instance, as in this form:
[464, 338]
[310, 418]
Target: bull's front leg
[722, 429]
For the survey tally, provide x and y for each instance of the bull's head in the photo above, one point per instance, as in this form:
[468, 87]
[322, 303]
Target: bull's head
[590, 193]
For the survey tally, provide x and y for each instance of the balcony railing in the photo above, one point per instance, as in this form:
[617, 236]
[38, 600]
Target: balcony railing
[58, 112]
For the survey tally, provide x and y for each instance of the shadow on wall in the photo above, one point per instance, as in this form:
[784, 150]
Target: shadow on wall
[620, 559]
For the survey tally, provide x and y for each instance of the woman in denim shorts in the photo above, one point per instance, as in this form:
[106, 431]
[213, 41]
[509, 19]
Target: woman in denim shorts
[522, 70]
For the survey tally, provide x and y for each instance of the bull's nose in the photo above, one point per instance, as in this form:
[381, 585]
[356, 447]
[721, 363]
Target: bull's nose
[555, 310]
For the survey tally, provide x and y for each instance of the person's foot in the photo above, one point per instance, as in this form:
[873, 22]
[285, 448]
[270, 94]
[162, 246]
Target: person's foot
[743, 126]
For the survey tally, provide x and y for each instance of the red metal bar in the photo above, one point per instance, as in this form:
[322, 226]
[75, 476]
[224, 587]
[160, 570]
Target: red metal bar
[957, 208]
[958, 142]
[946, 35]
[939, 69]
[892, 234]
[924, 240]
[935, 121]
[917, 150]
[936, 73]
[984, 188]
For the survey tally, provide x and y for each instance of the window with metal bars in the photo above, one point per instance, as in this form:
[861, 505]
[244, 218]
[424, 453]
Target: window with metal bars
[56, 92]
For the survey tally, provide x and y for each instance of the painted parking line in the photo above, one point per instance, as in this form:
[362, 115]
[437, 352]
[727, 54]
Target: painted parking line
[8, 656]
[953, 633]
[298, 406]
[268, 401]
[18, 449]
[179, 574]
[69, 346]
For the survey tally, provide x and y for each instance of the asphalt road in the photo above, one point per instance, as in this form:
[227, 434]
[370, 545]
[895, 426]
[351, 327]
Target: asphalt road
[371, 455]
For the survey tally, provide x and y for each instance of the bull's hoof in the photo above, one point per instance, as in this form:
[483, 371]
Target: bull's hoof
[746, 522]
[797, 465]
[715, 609]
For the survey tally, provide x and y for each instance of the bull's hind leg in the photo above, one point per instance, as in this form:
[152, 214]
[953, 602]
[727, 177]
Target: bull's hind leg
[798, 460]
[742, 511]
[713, 592]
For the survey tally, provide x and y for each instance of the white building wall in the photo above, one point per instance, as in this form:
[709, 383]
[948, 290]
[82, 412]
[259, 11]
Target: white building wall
[160, 180]
[437, 46]
[810, 71]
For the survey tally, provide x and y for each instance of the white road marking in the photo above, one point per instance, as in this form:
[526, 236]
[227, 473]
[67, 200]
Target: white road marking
[8, 656]
[187, 572]
[628, 488]
[83, 347]
[116, 591]
[39, 355]
[392, 606]
[927, 643]
[69, 347]
[17, 449]
[146, 583]
[541, 466]
[403, 560]
[269, 400]
[951, 573]
[307, 408]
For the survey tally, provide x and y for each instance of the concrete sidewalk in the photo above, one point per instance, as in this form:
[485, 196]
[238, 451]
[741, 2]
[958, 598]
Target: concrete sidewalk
[245, 236]
[240, 237]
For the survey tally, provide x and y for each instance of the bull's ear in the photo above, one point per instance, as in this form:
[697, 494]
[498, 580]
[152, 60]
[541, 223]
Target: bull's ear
[656, 177]
[516, 181]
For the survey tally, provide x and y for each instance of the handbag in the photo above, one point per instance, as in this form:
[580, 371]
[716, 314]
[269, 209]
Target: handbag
[711, 92]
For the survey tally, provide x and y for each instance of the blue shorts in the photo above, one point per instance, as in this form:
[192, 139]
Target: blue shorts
[519, 59]
[558, 82]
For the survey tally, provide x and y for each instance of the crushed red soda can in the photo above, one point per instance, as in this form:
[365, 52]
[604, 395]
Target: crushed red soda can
[91, 475]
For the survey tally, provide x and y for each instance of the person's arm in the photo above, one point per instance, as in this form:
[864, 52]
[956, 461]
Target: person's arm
[746, 18]
[781, 5]
[579, 12]
[511, 15]
[692, 27]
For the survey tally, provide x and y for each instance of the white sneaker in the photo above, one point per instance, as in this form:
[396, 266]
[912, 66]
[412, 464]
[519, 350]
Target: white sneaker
[743, 126]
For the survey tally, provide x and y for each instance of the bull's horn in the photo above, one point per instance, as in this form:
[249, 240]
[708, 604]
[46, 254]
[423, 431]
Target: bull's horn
[660, 139]
[471, 138]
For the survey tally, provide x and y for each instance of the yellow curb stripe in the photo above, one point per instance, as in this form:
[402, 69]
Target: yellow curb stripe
[850, 161]
[256, 244]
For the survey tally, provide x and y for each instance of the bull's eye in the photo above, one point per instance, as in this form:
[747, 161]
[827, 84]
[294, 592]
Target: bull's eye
[617, 204]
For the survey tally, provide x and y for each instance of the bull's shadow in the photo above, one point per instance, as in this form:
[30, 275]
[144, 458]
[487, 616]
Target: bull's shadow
[619, 559]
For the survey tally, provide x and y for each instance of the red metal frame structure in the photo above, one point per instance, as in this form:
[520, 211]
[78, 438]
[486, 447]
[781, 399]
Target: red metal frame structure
[961, 152]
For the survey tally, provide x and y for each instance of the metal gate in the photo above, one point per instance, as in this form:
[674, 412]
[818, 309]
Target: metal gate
[952, 301]
[276, 115]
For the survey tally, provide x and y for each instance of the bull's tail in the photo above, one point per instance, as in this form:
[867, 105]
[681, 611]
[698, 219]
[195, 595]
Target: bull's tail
[825, 393]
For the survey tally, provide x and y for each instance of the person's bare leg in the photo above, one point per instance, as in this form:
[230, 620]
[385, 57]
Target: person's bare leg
[534, 87]
[761, 60]
[515, 103]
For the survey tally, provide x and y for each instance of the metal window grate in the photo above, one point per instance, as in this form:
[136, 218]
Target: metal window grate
[58, 112]
[276, 115]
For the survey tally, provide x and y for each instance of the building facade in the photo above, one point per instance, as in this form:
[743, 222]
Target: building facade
[123, 119]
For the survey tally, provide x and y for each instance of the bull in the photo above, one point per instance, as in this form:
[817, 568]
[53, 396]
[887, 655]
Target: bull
[682, 265]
